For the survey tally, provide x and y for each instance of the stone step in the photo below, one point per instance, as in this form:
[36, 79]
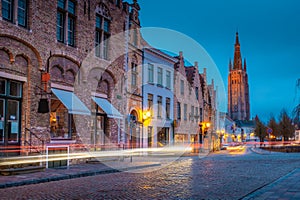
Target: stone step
[21, 170]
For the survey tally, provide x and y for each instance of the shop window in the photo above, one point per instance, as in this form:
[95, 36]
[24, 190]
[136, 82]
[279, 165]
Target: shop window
[62, 123]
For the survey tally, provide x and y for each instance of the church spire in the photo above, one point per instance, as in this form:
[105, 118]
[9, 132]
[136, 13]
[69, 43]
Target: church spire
[237, 38]
[237, 63]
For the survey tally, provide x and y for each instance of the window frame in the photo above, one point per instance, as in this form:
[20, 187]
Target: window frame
[102, 35]
[168, 79]
[168, 107]
[150, 73]
[66, 28]
[159, 106]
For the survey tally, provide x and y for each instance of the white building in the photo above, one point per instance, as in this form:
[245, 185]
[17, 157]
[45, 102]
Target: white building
[158, 98]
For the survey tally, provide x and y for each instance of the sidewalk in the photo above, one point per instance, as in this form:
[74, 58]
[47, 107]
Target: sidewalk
[75, 171]
[286, 187]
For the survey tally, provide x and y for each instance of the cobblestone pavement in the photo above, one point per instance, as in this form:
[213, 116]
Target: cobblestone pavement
[222, 175]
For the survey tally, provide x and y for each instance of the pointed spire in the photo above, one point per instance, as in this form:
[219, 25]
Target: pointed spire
[237, 38]
[237, 63]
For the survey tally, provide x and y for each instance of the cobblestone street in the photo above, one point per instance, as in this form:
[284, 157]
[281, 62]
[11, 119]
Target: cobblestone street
[218, 176]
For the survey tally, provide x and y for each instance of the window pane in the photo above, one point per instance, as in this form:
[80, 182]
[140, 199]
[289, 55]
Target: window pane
[105, 47]
[159, 76]
[2, 86]
[60, 27]
[150, 73]
[98, 21]
[22, 12]
[182, 87]
[159, 106]
[106, 26]
[168, 79]
[185, 111]
[150, 101]
[61, 4]
[1, 120]
[71, 7]
[13, 120]
[15, 89]
[178, 110]
[97, 43]
[168, 108]
[7, 9]
[71, 31]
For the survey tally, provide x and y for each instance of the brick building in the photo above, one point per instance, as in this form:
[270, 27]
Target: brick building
[74, 55]
[238, 87]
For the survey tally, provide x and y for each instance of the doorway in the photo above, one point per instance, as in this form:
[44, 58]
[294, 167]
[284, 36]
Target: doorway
[10, 117]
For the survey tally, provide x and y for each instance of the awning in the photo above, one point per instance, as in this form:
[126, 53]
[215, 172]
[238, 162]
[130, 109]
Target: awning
[72, 102]
[109, 109]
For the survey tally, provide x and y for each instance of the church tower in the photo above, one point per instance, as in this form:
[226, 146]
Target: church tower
[238, 88]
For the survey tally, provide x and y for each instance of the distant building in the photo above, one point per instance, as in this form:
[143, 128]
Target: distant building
[238, 88]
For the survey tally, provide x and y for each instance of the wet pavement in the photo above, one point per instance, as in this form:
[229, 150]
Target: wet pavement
[249, 174]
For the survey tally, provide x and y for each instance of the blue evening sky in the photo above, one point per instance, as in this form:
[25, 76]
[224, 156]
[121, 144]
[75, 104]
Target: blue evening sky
[269, 36]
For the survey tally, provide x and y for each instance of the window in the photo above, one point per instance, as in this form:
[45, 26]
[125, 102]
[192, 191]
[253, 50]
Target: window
[135, 37]
[65, 13]
[192, 112]
[150, 73]
[159, 76]
[178, 111]
[168, 107]
[197, 93]
[102, 36]
[181, 87]
[133, 74]
[159, 106]
[10, 107]
[150, 101]
[168, 79]
[21, 14]
[7, 10]
[185, 112]
[150, 135]
[201, 115]
[196, 112]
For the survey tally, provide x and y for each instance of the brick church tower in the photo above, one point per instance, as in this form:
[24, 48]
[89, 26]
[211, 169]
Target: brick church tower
[238, 88]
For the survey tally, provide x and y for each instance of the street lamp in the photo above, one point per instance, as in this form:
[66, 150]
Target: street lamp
[203, 131]
[146, 116]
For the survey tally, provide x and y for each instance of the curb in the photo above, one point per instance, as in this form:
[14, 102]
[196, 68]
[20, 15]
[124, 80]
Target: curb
[259, 191]
[260, 152]
[72, 176]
